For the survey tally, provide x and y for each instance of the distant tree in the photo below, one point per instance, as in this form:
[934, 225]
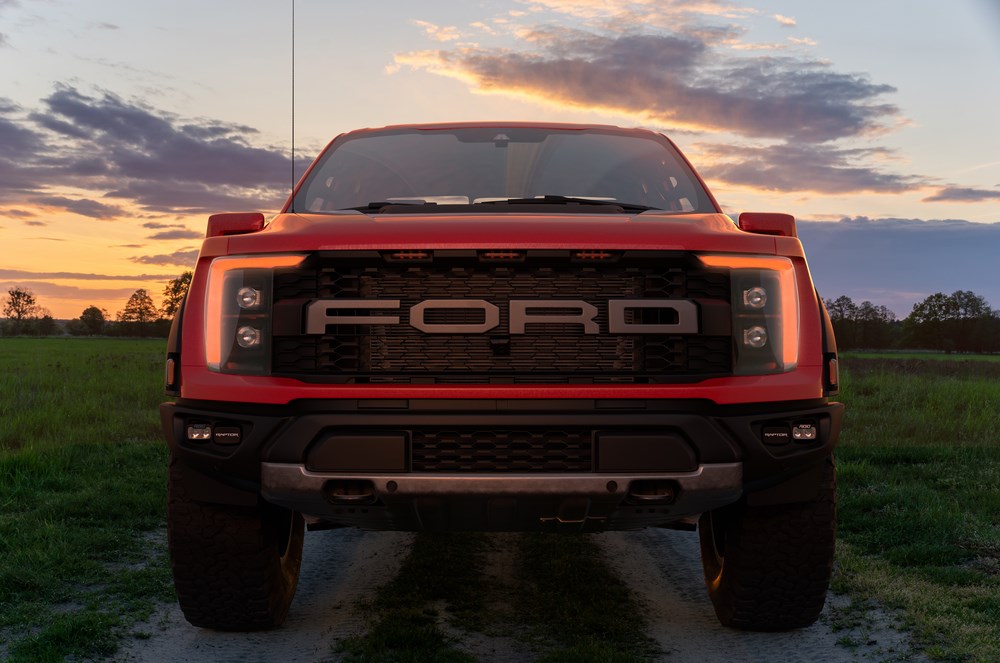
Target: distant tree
[873, 326]
[94, 319]
[843, 313]
[960, 321]
[862, 325]
[90, 323]
[174, 294]
[842, 308]
[138, 315]
[19, 307]
[139, 308]
[43, 325]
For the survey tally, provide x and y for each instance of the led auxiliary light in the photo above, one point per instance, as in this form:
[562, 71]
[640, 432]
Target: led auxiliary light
[804, 433]
[755, 298]
[248, 337]
[755, 337]
[248, 297]
[199, 432]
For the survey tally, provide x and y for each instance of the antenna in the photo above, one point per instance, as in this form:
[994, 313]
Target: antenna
[291, 206]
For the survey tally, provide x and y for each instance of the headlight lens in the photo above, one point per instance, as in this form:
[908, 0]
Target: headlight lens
[765, 312]
[238, 312]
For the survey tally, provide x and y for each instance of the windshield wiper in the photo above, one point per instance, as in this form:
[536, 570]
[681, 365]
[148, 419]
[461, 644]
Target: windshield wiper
[568, 200]
[379, 204]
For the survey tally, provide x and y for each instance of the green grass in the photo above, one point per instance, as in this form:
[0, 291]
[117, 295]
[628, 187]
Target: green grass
[82, 477]
[562, 602]
[919, 498]
[440, 570]
[569, 595]
[921, 355]
[82, 483]
[907, 403]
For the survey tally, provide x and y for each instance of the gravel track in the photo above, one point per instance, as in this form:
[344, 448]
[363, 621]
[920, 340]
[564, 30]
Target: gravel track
[340, 569]
[663, 568]
[343, 568]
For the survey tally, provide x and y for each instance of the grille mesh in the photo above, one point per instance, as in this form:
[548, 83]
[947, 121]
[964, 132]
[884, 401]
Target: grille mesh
[546, 352]
[467, 450]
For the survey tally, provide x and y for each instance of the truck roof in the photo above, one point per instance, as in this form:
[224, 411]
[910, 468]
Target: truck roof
[565, 126]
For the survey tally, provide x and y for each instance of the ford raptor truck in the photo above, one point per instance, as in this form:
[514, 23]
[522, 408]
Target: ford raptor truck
[501, 327]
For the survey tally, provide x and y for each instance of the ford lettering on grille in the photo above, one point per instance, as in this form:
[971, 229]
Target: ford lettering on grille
[522, 312]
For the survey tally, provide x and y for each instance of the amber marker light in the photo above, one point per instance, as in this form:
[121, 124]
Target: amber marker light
[234, 304]
[765, 308]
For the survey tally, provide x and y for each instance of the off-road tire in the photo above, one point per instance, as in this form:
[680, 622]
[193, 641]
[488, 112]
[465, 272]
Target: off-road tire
[767, 568]
[235, 568]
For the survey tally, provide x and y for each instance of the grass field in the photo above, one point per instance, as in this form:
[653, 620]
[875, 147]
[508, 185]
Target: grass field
[919, 499]
[82, 484]
[918, 355]
[82, 477]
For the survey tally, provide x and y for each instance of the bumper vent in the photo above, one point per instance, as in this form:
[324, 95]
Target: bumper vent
[502, 451]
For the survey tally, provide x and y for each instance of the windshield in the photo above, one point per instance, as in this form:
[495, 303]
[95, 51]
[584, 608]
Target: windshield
[480, 167]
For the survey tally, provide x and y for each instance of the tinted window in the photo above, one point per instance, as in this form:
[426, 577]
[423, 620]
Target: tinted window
[467, 166]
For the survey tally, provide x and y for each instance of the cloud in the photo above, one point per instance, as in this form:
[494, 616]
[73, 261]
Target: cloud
[24, 275]
[957, 194]
[184, 257]
[156, 225]
[45, 290]
[137, 155]
[479, 25]
[785, 21]
[616, 11]
[35, 223]
[803, 167]
[672, 79]
[177, 234]
[83, 207]
[197, 198]
[438, 32]
[898, 262]
[6, 4]
[18, 213]
[19, 142]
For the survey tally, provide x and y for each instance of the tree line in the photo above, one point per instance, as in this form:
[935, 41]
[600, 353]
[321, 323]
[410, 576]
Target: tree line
[960, 322]
[140, 317]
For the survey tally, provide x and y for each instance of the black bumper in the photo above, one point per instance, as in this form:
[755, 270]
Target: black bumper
[500, 464]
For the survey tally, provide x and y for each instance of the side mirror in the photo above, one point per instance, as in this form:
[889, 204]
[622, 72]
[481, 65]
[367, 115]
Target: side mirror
[234, 223]
[765, 223]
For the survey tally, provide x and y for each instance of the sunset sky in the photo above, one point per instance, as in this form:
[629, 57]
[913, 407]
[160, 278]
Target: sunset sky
[124, 124]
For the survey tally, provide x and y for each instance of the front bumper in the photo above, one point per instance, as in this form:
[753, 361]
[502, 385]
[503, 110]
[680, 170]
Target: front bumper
[514, 502]
[633, 463]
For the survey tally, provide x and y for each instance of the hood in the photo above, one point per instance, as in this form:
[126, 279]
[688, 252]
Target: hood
[650, 231]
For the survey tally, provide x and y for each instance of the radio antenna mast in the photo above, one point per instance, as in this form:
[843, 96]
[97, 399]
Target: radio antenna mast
[291, 206]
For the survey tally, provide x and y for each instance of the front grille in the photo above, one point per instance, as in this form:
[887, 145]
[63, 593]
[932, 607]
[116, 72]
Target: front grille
[468, 450]
[545, 353]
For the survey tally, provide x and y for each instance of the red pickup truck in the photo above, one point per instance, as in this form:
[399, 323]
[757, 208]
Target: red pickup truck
[501, 327]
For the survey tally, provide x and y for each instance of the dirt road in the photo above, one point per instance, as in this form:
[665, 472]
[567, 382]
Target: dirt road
[343, 568]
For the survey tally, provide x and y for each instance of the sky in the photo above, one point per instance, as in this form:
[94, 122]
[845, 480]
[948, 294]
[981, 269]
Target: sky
[124, 124]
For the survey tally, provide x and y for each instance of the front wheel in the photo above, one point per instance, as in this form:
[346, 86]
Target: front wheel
[768, 568]
[235, 568]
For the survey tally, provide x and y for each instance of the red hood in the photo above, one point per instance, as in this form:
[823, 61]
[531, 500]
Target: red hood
[690, 232]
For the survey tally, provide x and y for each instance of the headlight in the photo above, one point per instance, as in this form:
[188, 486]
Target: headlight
[765, 309]
[238, 312]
